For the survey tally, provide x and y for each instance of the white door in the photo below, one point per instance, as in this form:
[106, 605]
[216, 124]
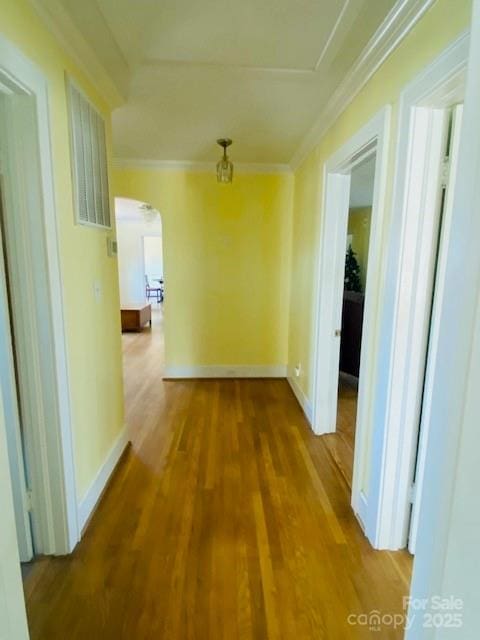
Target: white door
[438, 294]
[8, 386]
[13, 618]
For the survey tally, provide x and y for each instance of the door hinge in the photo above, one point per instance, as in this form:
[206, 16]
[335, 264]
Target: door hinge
[338, 333]
[412, 493]
[29, 500]
[445, 171]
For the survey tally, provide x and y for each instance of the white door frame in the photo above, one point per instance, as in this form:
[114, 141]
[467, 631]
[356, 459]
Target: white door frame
[8, 386]
[422, 434]
[13, 617]
[405, 306]
[371, 139]
[38, 306]
[448, 554]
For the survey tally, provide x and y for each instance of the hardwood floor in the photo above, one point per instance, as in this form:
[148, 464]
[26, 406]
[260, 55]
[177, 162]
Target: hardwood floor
[226, 519]
[342, 443]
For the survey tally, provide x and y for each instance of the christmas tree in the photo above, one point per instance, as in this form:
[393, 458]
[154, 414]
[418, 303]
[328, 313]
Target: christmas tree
[352, 272]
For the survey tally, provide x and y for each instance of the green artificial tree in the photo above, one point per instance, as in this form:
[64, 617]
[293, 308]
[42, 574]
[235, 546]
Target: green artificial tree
[352, 272]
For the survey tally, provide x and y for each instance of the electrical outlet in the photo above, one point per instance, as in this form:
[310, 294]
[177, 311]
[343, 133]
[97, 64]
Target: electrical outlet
[298, 370]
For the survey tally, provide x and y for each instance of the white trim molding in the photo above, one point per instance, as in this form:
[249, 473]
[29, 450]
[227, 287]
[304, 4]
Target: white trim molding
[395, 27]
[200, 167]
[361, 509]
[406, 303]
[371, 140]
[401, 19]
[32, 235]
[60, 24]
[93, 495]
[448, 553]
[226, 371]
[301, 397]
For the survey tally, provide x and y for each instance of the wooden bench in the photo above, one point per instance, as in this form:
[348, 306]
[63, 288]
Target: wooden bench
[135, 316]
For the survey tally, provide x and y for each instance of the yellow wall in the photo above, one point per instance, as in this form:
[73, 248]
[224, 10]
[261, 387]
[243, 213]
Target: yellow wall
[227, 248]
[359, 228]
[227, 263]
[93, 331]
[440, 25]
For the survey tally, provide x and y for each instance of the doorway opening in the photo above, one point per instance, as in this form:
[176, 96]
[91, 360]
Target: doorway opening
[141, 277]
[418, 250]
[400, 321]
[368, 147]
[153, 267]
[342, 445]
[33, 363]
[10, 386]
[450, 138]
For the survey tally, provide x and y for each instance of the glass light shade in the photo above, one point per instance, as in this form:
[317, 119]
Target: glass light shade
[149, 213]
[224, 170]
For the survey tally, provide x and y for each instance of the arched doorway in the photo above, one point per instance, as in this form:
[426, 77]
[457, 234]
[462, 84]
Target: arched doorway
[141, 277]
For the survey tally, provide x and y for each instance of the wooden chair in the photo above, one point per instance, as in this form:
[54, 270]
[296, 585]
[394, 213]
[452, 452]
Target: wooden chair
[153, 291]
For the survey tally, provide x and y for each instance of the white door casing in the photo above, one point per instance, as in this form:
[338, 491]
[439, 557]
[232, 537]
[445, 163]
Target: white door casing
[447, 551]
[405, 308]
[13, 617]
[37, 304]
[381, 490]
[371, 139]
[11, 412]
[439, 298]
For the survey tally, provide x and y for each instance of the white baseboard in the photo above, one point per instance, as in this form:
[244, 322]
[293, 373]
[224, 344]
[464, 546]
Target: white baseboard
[227, 371]
[303, 401]
[360, 509]
[93, 494]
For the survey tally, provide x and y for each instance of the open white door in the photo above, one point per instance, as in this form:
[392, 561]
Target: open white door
[13, 618]
[8, 387]
[437, 303]
[447, 556]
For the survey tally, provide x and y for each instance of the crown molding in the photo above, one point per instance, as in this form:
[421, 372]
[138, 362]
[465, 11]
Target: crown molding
[397, 24]
[199, 167]
[61, 26]
[158, 63]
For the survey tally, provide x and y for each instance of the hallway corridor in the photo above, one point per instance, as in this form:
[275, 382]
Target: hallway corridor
[227, 518]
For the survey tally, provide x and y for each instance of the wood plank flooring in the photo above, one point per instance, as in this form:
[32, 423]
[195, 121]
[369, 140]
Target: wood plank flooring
[341, 443]
[226, 519]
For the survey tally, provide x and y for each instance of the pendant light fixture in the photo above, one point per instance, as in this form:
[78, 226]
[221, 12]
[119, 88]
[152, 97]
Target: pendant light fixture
[224, 166]
[149, 213]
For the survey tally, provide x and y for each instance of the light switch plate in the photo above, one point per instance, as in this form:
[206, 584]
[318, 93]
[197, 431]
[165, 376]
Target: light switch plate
[112, 247]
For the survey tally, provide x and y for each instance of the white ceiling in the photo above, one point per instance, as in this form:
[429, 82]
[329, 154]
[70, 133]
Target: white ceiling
[258, 71]
[128, 210]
